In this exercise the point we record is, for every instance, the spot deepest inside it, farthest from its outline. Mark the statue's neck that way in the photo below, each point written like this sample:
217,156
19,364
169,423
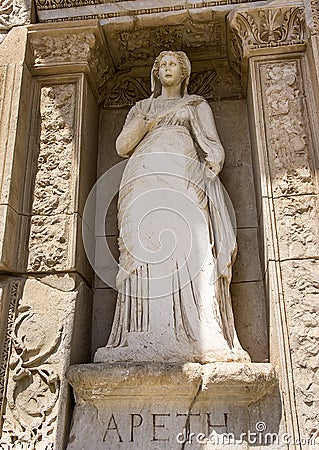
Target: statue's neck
171,92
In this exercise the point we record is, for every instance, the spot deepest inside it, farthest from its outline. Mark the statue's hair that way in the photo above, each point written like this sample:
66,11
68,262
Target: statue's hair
185,64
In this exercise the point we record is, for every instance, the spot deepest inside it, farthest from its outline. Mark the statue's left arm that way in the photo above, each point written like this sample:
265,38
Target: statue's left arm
205,133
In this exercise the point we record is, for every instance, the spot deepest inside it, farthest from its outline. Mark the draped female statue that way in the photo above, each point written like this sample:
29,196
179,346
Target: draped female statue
177,242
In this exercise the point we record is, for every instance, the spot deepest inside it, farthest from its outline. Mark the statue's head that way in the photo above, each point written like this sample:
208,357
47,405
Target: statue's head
185,68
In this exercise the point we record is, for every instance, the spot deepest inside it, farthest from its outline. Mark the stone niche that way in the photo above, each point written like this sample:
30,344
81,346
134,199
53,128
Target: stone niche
155,406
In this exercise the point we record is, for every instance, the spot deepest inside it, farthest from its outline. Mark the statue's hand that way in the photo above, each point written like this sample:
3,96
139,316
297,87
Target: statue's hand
149,121
210,170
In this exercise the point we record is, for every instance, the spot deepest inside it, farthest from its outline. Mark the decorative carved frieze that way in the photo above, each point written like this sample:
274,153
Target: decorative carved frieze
144,44
312,13
33,390
179,6
286,128
257,29
55,179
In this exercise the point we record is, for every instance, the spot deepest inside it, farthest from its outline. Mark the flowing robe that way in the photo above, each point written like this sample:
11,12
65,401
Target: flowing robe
177,243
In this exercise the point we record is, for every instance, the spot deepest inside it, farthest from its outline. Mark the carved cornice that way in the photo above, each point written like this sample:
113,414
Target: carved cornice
131,8
256,30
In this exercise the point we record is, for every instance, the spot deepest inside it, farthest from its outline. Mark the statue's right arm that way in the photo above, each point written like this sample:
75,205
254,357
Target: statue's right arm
132,133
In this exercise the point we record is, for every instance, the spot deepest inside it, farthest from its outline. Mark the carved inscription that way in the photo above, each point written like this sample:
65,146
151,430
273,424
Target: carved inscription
55,179
157,427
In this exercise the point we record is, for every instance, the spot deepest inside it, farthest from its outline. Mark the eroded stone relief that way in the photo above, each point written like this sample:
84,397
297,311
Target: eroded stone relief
54,184
302,294
13,13
285,118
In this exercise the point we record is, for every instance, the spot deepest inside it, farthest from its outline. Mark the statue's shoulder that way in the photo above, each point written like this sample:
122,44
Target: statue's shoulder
195,99
143,104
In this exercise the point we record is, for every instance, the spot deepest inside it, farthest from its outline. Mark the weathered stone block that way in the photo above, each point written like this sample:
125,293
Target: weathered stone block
130,406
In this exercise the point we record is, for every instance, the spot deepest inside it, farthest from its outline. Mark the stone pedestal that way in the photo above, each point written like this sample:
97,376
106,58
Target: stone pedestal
169,406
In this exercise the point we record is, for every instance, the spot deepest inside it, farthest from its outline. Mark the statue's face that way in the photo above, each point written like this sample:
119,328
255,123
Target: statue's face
170,71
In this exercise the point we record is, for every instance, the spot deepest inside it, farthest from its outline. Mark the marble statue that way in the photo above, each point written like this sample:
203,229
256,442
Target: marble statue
177,242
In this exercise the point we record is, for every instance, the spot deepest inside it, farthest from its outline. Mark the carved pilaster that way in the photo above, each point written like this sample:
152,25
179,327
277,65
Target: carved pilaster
264,31
280,101
69,67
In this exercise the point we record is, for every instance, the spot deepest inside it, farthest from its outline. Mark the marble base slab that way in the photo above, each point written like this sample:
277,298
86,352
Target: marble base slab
165,406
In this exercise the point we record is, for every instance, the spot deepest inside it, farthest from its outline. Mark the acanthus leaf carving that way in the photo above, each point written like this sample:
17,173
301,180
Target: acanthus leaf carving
268,28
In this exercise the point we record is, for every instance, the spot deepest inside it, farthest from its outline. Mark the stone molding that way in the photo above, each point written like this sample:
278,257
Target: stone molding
220,396
264,31
238,382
